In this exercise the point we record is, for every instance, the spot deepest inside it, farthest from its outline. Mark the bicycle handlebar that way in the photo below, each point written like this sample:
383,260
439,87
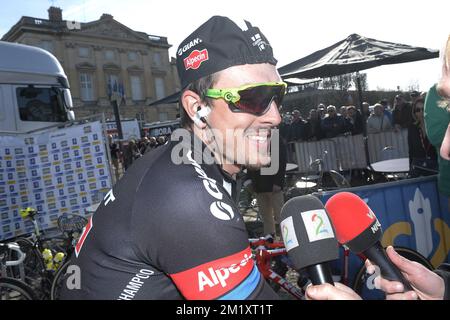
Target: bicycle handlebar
15,247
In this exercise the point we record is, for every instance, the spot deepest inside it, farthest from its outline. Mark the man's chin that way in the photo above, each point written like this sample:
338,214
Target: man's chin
256,165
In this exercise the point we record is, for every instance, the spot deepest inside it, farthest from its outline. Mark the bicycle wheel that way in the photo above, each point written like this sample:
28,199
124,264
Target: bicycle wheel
58,281
359,285
36,275
13,289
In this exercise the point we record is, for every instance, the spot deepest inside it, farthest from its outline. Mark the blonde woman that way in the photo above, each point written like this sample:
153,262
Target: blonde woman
437,119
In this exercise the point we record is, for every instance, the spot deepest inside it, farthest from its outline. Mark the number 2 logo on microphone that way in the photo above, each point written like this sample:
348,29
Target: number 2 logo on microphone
319,222
317,225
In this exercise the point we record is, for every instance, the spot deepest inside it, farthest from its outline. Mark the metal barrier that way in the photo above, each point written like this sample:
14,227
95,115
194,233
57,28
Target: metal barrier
347,152
388,145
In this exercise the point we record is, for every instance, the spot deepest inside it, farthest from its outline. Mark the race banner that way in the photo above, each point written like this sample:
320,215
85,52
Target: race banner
55,172
412,213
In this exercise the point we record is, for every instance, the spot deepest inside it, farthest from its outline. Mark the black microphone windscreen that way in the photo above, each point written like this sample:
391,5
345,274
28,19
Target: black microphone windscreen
308,234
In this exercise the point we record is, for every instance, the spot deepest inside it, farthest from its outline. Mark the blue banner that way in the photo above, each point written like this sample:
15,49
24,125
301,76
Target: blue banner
412,214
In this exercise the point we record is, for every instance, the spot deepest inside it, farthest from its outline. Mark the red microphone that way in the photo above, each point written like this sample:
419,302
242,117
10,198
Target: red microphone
358,228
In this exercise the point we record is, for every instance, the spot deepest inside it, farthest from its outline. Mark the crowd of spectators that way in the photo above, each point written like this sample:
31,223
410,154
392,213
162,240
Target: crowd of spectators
329,122
123,155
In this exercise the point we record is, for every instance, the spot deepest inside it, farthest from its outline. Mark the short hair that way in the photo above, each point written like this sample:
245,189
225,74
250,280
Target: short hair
377,105
199,87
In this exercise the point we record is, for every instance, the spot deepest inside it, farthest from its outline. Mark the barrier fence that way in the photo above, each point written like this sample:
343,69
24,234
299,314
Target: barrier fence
347,152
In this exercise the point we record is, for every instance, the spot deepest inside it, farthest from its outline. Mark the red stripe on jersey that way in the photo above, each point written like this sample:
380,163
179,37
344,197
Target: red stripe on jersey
86,230
214,278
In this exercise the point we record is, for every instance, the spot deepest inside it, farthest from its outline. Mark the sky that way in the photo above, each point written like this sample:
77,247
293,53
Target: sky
295,28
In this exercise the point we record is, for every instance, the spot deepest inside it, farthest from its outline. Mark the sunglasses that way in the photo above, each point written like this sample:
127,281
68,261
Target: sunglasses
255,98
418,110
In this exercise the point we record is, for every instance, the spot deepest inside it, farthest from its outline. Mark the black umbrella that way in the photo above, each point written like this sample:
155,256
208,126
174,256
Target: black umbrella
173,98
355,53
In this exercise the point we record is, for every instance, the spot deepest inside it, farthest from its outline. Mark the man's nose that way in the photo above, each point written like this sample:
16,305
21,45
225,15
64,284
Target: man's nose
272,116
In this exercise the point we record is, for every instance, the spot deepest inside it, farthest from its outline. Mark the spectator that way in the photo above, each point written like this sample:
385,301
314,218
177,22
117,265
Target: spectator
378,122
402,113
343,111
414,96
144,146
321,110
365,109
153,143
387,110
115,156
421,152
333,124
355,119
313,126
437,119
161,140
285,126
269,193
297,127
131,153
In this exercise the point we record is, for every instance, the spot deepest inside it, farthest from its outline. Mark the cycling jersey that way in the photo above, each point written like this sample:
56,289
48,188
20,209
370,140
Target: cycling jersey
168,231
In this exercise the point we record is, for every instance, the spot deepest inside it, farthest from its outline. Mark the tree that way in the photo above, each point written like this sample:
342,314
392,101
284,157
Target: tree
345,81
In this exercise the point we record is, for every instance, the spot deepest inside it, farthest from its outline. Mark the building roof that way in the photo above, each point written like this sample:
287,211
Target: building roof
105,27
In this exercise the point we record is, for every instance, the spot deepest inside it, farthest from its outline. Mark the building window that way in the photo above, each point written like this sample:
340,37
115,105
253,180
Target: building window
46,45
83,52
132,56
109,55
136,88
163,116
114,86
86,87
157,59
159,88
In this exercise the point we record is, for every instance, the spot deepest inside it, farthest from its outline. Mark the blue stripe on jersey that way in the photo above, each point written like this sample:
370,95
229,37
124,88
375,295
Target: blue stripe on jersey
247,286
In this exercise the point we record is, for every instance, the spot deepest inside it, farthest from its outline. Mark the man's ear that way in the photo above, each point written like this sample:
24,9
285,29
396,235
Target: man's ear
192,104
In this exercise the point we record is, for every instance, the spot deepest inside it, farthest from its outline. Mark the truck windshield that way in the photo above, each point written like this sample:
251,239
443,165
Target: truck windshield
40,104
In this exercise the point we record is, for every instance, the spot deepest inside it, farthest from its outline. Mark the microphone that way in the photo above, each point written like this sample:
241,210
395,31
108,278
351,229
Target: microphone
358,229
309,237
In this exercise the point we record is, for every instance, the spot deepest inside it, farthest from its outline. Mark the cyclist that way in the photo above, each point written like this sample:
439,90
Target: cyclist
169,229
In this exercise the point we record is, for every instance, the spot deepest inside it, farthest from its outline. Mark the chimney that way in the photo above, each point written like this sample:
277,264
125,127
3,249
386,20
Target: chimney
106,16
54,14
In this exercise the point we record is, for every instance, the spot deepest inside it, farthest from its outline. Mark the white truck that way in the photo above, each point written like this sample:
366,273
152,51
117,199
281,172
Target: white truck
34,90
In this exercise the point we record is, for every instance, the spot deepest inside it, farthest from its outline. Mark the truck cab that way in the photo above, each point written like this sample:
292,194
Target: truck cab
34,90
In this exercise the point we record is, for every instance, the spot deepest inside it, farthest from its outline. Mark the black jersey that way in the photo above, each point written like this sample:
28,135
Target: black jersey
168,231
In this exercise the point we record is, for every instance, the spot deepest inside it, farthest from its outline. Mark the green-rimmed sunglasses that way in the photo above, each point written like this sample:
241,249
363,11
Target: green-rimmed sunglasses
254,98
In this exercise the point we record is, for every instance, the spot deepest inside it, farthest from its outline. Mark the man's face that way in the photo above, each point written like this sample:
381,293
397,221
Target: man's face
244,138
331,113
399,101
378,111
313,114
351,112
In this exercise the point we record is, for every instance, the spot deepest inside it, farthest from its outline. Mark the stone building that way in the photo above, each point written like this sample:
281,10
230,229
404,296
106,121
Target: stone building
106,60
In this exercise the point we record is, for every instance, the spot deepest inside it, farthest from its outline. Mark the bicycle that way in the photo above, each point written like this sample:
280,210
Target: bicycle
72,226
11,288
45,256
273,263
